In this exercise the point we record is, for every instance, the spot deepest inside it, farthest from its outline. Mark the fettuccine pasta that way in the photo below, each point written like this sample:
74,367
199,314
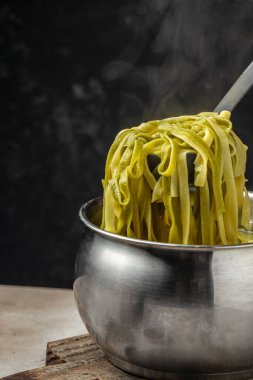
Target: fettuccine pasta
178,180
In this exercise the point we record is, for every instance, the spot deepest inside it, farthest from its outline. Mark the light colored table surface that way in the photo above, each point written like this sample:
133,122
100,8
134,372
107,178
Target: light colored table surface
29,318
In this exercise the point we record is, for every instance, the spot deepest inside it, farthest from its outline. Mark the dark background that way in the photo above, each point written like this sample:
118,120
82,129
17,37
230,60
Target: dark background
72,74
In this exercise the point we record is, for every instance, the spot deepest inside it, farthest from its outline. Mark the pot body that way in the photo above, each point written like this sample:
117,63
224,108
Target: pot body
165,312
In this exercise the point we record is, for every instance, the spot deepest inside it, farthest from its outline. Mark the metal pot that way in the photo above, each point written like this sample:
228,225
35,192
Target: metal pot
166,311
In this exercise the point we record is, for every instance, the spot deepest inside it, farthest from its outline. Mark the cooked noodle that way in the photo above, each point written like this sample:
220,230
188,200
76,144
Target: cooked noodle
177,180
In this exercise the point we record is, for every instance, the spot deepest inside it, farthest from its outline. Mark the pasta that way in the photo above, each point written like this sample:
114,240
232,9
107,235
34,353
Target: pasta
178,180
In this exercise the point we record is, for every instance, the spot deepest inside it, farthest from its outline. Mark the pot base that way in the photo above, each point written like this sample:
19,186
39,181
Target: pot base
160,375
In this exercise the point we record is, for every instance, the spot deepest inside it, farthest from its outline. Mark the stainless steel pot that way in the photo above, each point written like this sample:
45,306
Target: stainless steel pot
166,311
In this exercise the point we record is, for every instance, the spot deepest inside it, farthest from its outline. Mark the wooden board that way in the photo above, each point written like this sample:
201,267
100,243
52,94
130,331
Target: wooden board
77,358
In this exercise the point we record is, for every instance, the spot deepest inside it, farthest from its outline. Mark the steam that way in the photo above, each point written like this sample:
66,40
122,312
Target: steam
181,57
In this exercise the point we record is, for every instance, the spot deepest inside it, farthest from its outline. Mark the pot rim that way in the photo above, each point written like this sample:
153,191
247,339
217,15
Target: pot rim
83,214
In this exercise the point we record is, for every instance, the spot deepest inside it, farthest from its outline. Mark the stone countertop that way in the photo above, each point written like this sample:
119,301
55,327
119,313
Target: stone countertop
29,318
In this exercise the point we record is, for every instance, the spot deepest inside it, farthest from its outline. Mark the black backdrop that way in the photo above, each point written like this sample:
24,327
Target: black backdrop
72,74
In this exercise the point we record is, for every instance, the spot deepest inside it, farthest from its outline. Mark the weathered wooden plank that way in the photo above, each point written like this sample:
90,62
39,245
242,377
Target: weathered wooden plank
102,370
80,348
77,358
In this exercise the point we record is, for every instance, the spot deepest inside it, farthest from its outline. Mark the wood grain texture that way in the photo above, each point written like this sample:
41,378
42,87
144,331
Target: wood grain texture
76,358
